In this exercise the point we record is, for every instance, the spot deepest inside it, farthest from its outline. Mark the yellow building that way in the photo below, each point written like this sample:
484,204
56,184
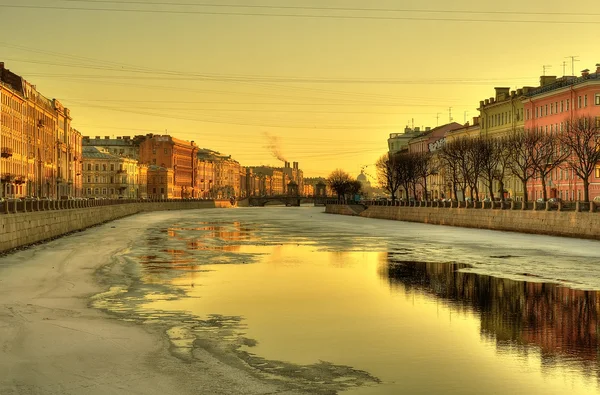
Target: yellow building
109,176
40,151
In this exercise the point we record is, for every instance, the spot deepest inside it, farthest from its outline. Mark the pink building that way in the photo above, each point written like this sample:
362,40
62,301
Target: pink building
548,108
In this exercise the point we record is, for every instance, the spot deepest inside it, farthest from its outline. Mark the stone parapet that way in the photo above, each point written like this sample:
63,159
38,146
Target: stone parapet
582,224
25,228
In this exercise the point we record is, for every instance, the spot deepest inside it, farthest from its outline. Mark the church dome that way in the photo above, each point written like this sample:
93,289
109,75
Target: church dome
362,178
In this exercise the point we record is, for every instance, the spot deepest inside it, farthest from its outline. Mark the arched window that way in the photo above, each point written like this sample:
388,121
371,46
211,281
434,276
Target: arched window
96,191
89,167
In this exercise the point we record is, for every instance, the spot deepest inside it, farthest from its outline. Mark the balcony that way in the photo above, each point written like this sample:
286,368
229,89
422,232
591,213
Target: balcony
6,152
7,177
121,171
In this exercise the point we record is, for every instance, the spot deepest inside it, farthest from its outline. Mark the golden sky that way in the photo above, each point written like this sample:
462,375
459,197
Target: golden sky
329,84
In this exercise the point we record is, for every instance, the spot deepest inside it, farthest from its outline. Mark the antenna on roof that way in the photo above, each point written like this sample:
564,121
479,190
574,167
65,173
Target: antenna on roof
544,68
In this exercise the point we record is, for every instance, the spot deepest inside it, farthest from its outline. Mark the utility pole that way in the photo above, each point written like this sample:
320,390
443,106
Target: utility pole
564,64
437,119
450,114
573,60
544,68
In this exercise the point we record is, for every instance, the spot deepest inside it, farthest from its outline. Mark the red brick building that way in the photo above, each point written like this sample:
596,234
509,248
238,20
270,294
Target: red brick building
177,155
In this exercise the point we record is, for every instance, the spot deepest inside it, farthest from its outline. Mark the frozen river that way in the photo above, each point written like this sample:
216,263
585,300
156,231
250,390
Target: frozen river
328,304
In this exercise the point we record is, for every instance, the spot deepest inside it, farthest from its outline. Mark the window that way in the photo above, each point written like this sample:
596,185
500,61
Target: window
104,191
552,108
154,161
89,167
562,106
165,151
597,175
527,113
567,105
598,122
154,151
578,101
89,179
103,167
585,101
537,113
112,191
112,167
96,191
597,99
97,167
546,113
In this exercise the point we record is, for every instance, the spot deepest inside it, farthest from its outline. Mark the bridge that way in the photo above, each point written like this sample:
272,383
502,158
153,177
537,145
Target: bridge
288,200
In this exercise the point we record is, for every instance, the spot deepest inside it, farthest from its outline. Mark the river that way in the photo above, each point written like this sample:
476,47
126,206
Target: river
333,304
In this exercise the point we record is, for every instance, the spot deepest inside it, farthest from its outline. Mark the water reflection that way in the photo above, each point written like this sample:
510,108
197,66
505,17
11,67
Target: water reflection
561,323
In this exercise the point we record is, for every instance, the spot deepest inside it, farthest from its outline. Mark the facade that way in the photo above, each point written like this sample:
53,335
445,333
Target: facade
120,146
548,109
429,142
398,142
40,153
160,182
499,116
227,180
206,175
108,176
179,155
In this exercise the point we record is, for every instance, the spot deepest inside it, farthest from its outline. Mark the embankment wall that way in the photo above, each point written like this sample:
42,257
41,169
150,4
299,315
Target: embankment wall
571,224
23,229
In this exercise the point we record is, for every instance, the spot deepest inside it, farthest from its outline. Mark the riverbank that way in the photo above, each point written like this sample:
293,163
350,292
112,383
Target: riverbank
585,225
26,228
52,342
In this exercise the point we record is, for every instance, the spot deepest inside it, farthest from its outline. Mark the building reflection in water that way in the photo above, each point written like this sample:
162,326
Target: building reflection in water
561,323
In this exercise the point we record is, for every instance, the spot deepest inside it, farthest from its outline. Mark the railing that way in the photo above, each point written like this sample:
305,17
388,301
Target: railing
6,152
24,206
496,205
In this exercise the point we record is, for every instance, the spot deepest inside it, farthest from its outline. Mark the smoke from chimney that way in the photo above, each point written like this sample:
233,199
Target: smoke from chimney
274,146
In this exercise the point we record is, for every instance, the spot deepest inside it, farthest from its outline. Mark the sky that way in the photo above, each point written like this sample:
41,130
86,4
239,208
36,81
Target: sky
324,81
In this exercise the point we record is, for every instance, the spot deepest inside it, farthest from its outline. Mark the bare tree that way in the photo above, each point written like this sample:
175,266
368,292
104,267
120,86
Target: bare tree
449,156
582,139
547,153
406,168
519,144
490,155
473,164
425,166
339,181
388,175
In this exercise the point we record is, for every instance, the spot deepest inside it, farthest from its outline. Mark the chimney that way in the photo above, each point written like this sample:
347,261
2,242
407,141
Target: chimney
487,101
106,137
547,80
501,93
481,103
118,137
513,93
585,73
97,137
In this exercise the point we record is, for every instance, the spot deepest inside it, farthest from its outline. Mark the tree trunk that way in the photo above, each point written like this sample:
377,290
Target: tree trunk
501,185
425,187
544,193
525,200
586,189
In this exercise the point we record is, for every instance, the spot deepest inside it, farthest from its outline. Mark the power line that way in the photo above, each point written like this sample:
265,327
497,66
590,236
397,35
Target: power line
302,16
287,7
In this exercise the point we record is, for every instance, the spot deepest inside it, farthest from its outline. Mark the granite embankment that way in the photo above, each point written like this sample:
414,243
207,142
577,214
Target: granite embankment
571,224
25,228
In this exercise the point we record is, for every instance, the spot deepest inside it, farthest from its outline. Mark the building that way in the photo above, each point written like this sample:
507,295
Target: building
40,153
119,146
108,176
548,109
178,155
160,182
227,179
293,173
398,142
429,142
